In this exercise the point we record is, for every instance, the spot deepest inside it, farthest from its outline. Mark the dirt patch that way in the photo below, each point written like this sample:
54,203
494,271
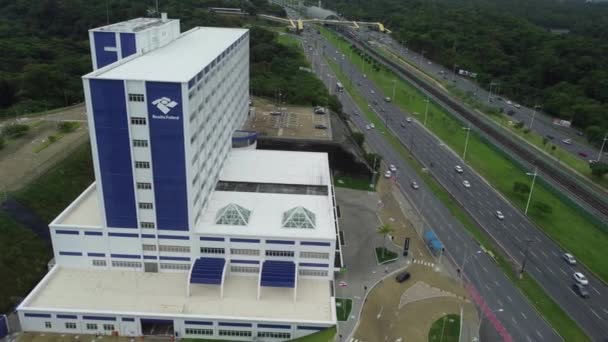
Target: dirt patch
25,158
297,122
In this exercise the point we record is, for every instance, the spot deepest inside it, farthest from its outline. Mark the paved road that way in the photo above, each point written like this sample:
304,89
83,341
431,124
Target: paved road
541,123
503,299
544,263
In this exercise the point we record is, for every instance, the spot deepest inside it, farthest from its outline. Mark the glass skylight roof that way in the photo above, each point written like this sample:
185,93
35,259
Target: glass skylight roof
234,215
299,217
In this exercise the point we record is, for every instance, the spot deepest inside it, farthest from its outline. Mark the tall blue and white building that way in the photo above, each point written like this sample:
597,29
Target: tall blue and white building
182,234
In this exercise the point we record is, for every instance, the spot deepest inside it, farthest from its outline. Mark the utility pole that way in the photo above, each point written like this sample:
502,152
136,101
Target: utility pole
523,263
490,93
371,185
534,114
599,156
394,86
426,111
466,142
531,187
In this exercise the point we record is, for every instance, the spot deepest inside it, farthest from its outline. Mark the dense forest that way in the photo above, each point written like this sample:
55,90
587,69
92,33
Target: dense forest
46,49
509,41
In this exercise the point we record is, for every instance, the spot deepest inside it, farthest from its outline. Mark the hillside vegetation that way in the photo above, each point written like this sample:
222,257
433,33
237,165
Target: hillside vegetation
508,41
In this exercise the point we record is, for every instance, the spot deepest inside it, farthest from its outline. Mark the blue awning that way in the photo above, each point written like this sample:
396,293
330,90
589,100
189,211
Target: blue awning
279,274
207,271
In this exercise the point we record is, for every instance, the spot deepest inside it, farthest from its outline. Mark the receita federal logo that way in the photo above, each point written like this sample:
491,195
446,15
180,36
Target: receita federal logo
165,104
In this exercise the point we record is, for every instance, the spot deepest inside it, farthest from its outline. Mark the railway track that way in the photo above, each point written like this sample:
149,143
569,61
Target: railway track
583,194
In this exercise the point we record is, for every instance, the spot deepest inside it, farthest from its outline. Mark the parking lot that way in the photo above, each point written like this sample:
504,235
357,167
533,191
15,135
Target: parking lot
287,121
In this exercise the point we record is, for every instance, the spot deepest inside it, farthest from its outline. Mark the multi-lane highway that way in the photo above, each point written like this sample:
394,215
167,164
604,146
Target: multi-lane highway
503,299
539,121
514,233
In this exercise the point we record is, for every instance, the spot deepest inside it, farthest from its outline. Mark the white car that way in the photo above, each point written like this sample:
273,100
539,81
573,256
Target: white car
580,278
392,167
415,186
517,105
387,174
458,169
372,125
368,127
372,92
567,141
499,215
509,103
466,184
408,119
569,258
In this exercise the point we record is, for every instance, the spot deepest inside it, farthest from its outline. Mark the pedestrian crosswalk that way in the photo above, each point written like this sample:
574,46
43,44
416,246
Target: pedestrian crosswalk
424,263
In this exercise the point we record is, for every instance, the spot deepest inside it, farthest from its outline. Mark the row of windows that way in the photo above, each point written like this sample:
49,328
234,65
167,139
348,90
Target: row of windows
274,334
101,263
202,332
174,249
314,255
89,326
244,269
140,143
144,186
138,120
145,205
148,248
313,273
130,264
212,250
240,333
240,251
142,165
147,224
167,266
136,97
243,251
280,253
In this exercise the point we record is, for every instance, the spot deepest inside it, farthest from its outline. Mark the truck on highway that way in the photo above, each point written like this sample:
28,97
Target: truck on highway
339,87
432,242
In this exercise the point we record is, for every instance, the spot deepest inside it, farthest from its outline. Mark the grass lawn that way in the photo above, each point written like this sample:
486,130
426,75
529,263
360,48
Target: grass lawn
53,191
343,308
445,329
353,183
288,40
552,312
23,261
565,224
385,255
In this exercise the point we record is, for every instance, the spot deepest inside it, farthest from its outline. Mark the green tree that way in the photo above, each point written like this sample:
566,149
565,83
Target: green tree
359,138
385,230
598,169
16,130
2,142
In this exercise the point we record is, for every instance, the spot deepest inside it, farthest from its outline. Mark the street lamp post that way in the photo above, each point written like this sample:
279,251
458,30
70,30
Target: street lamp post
523,263
466,142
394,87
599,156
466,257
534,114
426,111
490,93
534,174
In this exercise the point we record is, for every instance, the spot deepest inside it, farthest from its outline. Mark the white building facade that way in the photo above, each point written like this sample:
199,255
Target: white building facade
181,234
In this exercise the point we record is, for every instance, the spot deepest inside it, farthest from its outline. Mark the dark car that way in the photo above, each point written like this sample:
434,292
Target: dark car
403,276
320,127
510,112
582,154
580,290
550,137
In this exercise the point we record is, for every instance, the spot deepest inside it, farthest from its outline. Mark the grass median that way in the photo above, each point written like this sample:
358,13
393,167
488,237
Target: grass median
548,308
565,224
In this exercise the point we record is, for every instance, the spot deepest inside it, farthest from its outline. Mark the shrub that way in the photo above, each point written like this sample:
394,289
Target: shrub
16,130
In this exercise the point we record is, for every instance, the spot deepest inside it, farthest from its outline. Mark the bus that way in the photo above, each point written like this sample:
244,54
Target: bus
339,87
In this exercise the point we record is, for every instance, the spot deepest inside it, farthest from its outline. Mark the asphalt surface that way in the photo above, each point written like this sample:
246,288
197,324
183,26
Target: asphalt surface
512,234
503,299
540,122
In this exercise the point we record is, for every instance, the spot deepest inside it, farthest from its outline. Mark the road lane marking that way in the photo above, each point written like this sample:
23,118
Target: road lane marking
564,272
509,298
513,319
484,269
595,313
539,334
524,316
554,253
544,254
596,291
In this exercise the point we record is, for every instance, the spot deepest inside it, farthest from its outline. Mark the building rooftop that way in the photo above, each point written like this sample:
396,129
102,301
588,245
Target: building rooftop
84,212
133,25
177,61
131,293
277,167
270,215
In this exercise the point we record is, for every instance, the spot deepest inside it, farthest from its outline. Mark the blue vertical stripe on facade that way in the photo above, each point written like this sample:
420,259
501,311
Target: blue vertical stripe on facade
103,42
168,154
127,44
113,147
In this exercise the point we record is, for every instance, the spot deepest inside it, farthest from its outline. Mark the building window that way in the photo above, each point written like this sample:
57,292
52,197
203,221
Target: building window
174,249
48,325
149,248
101,263
274,334
279,253
70,325
242,251
136,97
138,121
108,327
191,331
144,186
312,273
146,224
142,165
91,326
212,250
181,267
145,205
314,255
140,143
240,333
244,269
129,264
